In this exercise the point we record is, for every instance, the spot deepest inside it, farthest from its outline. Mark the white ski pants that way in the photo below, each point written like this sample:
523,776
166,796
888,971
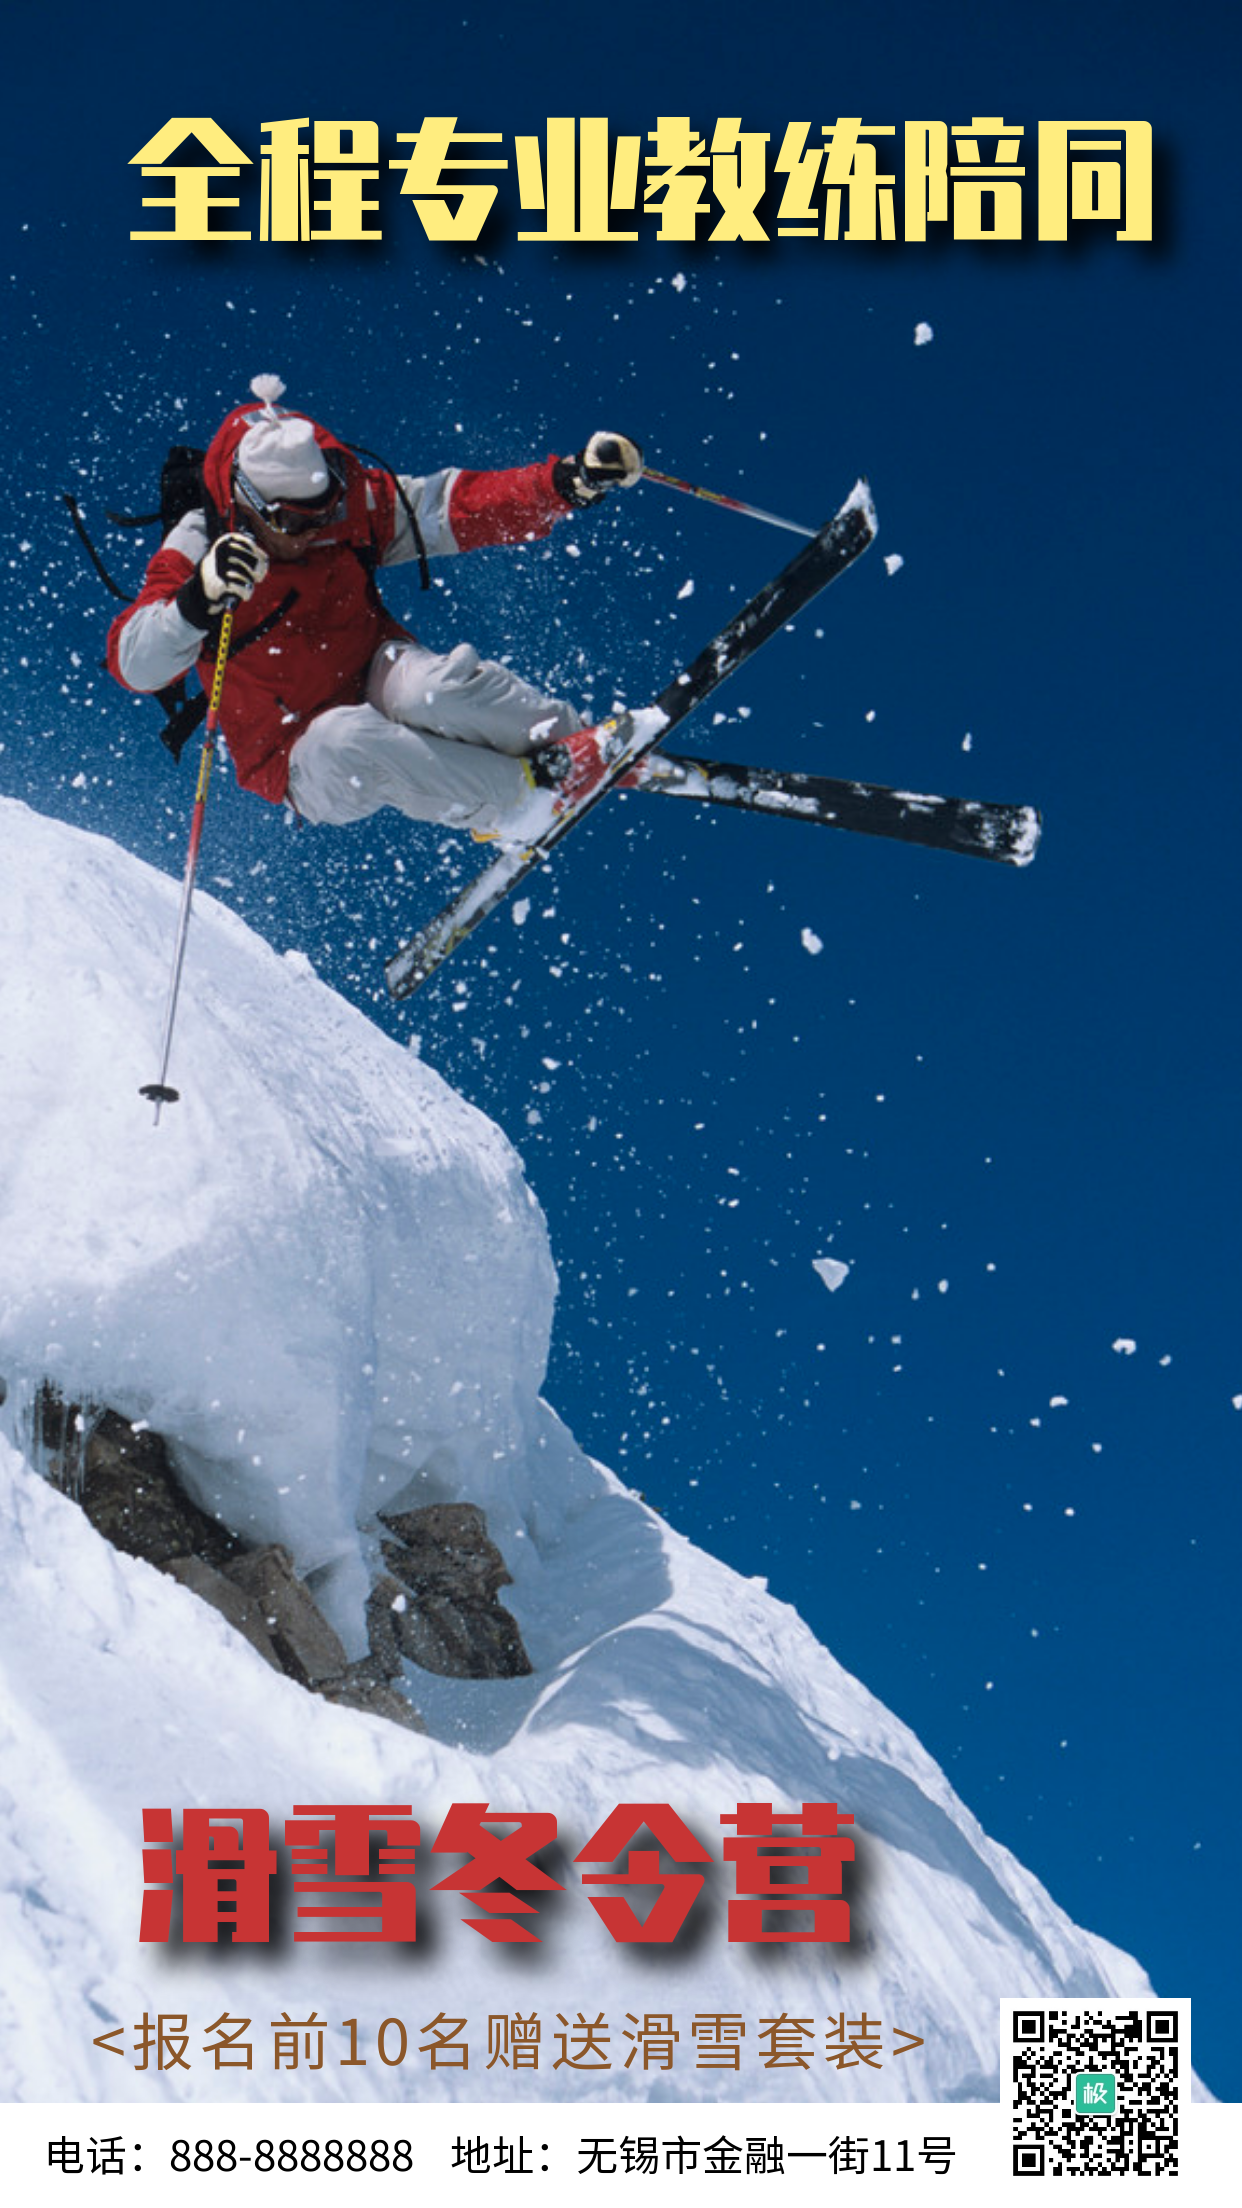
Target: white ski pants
440,738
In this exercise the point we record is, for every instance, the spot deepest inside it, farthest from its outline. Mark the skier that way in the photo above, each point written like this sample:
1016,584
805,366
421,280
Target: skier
329,702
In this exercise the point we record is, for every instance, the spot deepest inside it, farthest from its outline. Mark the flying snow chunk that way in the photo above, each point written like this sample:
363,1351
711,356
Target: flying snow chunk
687,589
521,912
678,281
1123,1347
892,561
811,942
831,1271
923,333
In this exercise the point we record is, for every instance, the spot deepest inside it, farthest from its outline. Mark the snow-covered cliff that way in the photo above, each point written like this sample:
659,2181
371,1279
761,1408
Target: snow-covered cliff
323,1278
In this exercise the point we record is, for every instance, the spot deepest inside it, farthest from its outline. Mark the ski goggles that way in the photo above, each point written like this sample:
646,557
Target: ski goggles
299,517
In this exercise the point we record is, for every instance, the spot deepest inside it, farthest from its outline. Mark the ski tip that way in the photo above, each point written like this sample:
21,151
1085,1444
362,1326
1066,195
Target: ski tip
860,501
1028,827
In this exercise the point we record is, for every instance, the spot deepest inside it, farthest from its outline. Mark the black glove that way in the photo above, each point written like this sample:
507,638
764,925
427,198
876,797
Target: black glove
606,462
233,567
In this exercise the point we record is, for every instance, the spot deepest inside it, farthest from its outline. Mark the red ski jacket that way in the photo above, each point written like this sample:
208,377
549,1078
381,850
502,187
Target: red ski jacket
305,640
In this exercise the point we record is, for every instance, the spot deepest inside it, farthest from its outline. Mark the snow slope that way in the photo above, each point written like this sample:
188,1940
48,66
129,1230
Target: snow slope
321,1270
323,1276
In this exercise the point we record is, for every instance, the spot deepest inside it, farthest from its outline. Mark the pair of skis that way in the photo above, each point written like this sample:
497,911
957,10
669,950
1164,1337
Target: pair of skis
1004,832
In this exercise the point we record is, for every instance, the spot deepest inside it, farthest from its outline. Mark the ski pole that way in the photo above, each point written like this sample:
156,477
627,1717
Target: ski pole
718,498
159,1091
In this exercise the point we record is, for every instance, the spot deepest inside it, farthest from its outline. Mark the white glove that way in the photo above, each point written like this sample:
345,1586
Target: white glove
611,459
233,567
607,461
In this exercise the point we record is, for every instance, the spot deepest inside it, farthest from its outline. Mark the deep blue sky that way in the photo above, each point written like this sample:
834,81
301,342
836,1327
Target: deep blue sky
1023,1086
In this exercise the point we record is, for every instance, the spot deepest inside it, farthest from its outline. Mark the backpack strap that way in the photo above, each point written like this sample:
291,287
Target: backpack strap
424,568
183,715
75,515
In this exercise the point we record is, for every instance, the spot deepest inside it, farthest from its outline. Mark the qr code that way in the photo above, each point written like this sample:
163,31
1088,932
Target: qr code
1095,2085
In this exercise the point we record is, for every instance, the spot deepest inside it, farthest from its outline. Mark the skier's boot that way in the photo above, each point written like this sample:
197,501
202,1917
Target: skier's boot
572,765
559,774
